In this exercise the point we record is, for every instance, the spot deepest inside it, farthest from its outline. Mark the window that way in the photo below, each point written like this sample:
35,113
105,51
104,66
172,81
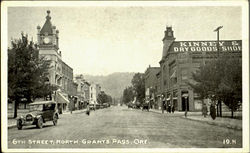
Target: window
173,75
184,74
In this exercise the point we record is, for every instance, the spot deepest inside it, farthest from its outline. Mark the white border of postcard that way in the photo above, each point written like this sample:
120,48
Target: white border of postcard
245,59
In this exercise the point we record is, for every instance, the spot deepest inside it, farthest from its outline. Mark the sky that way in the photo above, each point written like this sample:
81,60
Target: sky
106,39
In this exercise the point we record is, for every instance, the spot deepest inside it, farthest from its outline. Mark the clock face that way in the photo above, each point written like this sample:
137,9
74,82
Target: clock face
46,40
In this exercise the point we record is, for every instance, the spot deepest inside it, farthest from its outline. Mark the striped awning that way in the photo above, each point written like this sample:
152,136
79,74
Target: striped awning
173,75
61,99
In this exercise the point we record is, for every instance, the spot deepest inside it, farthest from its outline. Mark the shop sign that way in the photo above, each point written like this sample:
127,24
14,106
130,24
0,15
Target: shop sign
207,46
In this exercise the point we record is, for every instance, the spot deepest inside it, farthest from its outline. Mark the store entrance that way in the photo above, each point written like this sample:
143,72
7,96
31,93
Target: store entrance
184,98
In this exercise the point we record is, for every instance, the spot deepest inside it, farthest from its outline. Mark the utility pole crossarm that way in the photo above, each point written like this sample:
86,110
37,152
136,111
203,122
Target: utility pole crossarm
218,35
218,28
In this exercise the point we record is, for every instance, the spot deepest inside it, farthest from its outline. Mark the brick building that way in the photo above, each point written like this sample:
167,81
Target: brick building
60,74
180,59
151,83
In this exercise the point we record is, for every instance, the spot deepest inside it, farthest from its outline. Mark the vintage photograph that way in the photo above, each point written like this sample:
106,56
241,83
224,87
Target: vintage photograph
124,75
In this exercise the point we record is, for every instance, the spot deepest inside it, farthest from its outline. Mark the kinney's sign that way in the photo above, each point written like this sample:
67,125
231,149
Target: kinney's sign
207,46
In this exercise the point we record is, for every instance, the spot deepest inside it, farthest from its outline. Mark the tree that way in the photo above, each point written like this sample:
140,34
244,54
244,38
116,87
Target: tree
230,88
103,98
128,95
138,83
27,72
220,79
110,99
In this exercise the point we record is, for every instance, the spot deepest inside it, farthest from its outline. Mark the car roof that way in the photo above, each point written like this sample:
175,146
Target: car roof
42,102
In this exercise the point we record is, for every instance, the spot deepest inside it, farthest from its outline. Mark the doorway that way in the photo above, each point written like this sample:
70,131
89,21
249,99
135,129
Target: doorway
183,106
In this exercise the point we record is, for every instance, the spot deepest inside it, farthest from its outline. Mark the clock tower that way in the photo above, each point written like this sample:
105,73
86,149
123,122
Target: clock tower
48,44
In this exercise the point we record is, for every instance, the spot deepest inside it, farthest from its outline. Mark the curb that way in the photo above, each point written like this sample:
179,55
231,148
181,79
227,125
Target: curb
215,124
73,112
11,126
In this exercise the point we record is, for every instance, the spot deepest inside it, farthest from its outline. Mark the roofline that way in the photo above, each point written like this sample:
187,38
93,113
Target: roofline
67,65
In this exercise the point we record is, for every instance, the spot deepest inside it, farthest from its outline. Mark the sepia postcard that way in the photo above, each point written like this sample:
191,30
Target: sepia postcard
125,76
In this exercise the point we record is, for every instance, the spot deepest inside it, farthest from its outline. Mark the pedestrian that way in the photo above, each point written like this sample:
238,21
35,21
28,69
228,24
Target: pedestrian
88,110
204,110
163,103
173,109
169,108
213,111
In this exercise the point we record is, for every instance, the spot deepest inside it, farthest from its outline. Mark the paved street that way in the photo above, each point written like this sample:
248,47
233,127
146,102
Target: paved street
120,127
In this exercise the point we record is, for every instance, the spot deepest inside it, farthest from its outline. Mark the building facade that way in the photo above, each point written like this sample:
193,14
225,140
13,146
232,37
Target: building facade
95,89
60,74
86,88
151,84
182,58
83,90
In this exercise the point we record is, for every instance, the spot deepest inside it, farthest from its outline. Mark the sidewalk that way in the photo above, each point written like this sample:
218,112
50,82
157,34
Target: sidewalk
75,111
219,121
197,116
12,121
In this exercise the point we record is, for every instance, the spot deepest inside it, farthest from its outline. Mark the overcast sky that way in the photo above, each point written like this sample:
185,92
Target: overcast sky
103,40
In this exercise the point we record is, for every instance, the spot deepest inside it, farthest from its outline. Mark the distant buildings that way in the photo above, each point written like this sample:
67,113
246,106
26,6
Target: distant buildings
151,83
179,60
83,90
95,89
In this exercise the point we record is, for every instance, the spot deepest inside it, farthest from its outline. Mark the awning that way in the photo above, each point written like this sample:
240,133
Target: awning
61,99
173,74
185,95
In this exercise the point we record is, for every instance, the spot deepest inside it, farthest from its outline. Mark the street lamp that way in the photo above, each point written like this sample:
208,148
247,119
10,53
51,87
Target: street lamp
218,35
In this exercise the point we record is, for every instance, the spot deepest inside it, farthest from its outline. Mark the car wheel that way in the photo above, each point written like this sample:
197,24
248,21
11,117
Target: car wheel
55,118
40,123
19,125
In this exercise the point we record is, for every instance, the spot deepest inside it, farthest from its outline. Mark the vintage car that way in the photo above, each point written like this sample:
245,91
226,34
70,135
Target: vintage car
130,105
92,107
97,106
106,105
145,106
39,113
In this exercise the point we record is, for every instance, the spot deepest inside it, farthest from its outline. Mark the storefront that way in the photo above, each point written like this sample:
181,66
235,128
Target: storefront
182,58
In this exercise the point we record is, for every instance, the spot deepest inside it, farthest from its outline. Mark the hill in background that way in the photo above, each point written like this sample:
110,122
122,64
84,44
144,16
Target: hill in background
113,84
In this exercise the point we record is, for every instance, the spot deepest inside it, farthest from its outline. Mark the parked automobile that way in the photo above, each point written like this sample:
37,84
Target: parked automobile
101,106
92,107
97,106
145,106
39,113
130,105
106,105
137,105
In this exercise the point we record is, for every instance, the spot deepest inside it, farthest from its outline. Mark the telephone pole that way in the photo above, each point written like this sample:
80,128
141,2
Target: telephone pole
218,39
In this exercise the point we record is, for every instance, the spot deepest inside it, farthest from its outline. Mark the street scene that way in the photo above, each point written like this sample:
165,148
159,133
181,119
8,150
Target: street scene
120,127
134,76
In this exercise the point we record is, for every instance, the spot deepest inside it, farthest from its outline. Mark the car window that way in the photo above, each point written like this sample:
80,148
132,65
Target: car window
49,107
36,108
